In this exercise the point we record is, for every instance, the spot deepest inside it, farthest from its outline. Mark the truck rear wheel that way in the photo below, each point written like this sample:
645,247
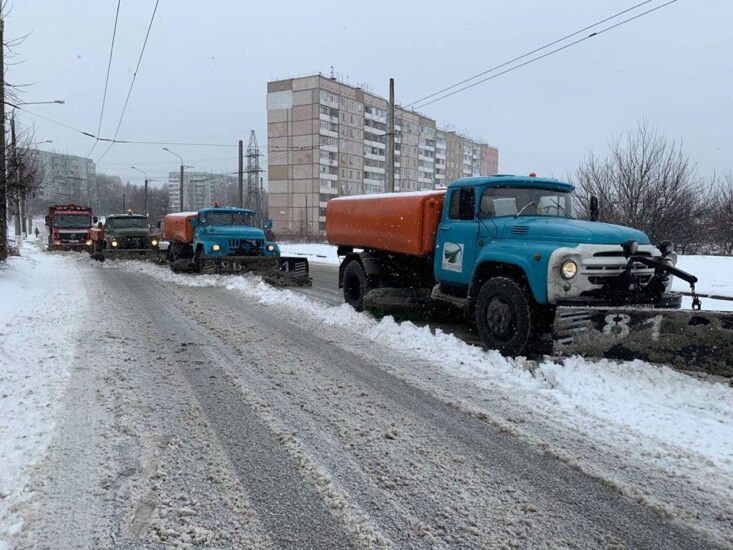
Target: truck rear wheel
504,316
355,285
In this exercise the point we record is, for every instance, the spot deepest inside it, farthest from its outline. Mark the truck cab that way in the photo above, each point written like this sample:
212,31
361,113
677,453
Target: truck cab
528,225
220,231
123,236
69,227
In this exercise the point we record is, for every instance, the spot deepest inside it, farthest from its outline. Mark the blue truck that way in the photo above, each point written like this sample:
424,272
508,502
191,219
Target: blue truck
510,254
225,240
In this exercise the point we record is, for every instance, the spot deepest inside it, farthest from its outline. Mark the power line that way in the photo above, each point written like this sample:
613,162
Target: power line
492,69
106,80
132,83
122,141
551,52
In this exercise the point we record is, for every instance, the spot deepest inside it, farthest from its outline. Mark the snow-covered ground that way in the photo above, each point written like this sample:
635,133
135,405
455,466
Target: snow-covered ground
650,414
42,303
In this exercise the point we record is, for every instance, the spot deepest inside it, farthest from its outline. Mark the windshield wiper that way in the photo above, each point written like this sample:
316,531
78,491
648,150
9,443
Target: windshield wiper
524,208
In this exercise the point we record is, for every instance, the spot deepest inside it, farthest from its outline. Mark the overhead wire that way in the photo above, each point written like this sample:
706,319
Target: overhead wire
106,80
132,83
496,67
551,52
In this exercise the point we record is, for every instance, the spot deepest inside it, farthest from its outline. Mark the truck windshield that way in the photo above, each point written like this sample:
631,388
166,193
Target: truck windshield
127,223
62,221
525,201
228,218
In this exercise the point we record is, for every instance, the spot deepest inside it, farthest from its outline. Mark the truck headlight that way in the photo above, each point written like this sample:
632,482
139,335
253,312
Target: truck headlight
271,247
216,248
89,242
569,269
114,244
154,242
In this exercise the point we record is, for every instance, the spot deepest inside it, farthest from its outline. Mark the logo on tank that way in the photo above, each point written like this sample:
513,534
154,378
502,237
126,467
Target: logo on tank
452,257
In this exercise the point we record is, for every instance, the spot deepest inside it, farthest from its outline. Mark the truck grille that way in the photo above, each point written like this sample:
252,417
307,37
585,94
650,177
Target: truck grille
246,244
132,242
81,236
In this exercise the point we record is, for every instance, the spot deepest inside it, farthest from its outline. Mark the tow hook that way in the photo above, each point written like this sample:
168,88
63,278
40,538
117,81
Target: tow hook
696,303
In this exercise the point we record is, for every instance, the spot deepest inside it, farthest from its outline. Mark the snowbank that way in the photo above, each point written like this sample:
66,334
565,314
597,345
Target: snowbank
316,253
38,319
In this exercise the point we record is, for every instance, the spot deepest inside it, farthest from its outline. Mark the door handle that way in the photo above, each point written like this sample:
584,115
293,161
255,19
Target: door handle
443,229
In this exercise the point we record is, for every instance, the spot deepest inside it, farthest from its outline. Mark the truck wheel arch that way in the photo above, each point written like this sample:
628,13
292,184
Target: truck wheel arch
370,264
488,270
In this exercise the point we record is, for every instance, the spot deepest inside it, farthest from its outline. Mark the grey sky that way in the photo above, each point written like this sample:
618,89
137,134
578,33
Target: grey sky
204,73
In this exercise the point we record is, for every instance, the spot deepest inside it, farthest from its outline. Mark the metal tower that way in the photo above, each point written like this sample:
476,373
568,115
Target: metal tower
255,192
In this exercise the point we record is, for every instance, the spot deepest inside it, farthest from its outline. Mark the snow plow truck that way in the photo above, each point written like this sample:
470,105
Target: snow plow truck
224,240
69,227
508,253
124,236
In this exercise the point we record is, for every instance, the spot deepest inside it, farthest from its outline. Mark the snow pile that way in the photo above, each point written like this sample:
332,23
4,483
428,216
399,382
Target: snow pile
39,313
316,253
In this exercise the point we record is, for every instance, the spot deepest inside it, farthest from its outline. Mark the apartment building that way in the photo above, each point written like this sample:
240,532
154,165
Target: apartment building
65,179
326,138
200,190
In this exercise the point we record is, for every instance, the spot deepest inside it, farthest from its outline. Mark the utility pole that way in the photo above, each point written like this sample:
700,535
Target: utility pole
390,139
241,174
180,181
180,188
146,189
16,177
124,203
3,180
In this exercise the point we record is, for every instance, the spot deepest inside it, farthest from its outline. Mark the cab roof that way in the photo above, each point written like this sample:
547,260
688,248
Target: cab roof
126,216
508,180
225,209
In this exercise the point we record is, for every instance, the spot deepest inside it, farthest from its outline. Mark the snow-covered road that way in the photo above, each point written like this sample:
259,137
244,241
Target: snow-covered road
219,411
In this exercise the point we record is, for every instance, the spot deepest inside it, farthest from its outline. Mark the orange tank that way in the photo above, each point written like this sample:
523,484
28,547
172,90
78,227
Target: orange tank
177,227
404,223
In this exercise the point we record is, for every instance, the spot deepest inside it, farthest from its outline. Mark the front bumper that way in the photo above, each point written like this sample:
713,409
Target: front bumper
670,300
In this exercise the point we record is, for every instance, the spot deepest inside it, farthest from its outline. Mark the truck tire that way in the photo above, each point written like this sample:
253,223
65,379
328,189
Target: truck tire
355,285
504,316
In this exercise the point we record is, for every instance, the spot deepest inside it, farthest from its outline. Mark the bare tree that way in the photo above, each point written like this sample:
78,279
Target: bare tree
721,214
646,182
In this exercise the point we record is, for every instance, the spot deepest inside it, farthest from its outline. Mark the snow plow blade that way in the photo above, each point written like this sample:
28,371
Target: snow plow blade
276,271
691,340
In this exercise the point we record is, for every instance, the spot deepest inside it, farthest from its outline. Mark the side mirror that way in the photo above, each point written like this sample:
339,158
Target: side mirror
194,222
158,224
95,219
99,225
267,224
665,247
594,210
46,220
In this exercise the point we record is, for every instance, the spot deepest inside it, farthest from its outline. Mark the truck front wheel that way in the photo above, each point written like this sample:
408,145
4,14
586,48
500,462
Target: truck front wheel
355,285
504,316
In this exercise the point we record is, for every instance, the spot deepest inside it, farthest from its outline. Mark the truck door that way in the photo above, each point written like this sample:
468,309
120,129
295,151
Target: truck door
455,244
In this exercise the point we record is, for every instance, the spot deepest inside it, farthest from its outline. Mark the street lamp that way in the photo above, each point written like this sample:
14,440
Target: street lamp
56,101
180,183
146,189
